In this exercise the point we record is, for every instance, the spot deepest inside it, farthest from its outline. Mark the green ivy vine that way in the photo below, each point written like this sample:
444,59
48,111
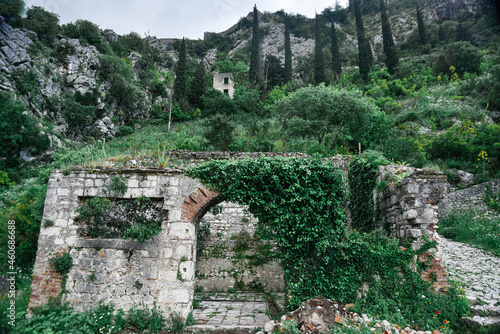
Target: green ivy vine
299,203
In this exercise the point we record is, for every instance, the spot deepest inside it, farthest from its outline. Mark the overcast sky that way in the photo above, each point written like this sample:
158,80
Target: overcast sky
169,18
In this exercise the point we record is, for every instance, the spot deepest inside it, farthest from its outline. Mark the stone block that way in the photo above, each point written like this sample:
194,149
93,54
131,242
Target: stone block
187,270
135,193
133,183
410,214
413,233
174,295
91,192
167,253
167,275
99,183
88,183
182,231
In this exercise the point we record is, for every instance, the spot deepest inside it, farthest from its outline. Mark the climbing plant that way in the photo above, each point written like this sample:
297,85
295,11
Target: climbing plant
111,217
362,181
300,204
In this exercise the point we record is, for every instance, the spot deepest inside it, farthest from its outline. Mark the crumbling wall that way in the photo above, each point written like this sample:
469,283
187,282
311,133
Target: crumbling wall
231,257
120,271
409,211
469,199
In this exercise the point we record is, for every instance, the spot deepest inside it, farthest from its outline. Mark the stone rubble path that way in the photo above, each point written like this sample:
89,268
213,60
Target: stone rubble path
230,311
479,270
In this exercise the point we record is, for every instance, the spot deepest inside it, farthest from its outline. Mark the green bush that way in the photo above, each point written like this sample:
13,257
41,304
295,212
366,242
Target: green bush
136,219
464,56
44,23
89,33
17,131
77,116
11,11
215,102
144,318
362,180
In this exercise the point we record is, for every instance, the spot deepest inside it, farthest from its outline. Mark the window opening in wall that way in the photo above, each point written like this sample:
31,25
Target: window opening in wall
112,218
226,81
226,91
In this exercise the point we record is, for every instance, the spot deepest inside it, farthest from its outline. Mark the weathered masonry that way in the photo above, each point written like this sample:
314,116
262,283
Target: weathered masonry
162,270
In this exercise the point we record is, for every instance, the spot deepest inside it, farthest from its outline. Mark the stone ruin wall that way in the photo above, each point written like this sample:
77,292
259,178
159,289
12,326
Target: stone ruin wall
409,210
126,272
123,272
469,199
220,267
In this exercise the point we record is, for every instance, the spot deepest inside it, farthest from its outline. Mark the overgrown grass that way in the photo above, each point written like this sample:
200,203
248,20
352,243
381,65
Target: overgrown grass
57,317
471,228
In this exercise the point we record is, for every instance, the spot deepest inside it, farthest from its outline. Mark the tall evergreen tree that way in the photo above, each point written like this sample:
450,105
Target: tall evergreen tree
181,74
365,55
199,85
336,61
391,55
253,71
288,52
421,27
319,64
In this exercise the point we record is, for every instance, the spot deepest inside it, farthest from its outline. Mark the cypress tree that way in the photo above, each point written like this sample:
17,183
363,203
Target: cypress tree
421,27
319,64
199,85
181,74
288,52
364,50
253,71
391,56
336,61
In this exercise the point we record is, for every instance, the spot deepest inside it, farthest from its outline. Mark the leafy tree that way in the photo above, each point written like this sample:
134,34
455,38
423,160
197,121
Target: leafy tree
275,73
44,23
247,100
219,132
318,111
134,42
364,49
214,102
253,72
181,74
288,52
198,86
319,64
463,33
123,90
391,56
421,26
464,56
11,11
88,32
17,130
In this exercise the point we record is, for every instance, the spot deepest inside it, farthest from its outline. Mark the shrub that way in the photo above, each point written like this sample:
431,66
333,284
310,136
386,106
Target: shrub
44,23
215,102
464,56
11,11
77,116
144,318
136,219
17,131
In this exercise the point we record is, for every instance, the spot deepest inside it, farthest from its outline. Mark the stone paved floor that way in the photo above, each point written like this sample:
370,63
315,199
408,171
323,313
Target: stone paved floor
235,310
479,271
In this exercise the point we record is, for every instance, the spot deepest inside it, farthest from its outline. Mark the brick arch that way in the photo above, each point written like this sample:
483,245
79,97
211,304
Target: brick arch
198,203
